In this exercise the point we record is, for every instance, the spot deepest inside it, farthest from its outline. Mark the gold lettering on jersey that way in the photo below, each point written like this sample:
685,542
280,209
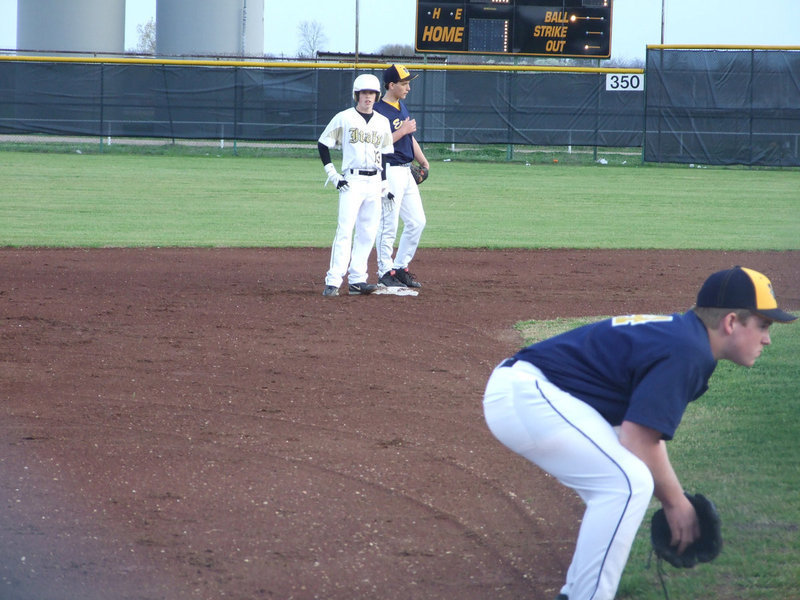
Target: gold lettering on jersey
365,137
639,319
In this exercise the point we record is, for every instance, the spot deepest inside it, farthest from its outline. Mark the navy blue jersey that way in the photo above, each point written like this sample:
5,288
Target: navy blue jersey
403,148
639,368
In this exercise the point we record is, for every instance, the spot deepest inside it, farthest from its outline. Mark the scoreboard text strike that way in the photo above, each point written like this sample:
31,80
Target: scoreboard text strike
570,28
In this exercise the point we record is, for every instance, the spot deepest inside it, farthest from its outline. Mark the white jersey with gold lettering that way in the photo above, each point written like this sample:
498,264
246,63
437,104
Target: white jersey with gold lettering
362,142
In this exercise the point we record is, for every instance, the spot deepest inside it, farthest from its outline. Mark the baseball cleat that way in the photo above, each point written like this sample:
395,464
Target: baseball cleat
407,278
363,288
389,279
330,290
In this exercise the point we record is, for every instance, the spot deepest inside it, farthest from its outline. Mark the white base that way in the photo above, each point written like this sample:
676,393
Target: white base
396,291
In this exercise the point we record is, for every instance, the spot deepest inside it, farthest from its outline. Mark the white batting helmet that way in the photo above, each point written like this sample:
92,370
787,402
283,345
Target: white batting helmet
366,83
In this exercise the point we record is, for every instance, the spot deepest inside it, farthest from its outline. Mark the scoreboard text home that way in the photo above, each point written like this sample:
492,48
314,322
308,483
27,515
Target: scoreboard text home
570,28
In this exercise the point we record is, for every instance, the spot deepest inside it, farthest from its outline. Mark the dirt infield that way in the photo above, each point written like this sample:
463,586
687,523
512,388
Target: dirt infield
182,423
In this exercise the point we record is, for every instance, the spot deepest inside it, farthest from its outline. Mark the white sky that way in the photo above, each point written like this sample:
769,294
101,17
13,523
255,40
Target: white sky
635,23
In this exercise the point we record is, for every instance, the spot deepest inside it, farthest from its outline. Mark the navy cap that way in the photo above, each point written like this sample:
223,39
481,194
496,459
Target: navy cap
741,288
396,74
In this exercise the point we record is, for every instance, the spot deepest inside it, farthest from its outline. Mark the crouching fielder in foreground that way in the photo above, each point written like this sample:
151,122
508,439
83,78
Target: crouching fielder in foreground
594,406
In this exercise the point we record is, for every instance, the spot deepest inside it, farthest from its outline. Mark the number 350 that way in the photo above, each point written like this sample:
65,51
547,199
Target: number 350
624,82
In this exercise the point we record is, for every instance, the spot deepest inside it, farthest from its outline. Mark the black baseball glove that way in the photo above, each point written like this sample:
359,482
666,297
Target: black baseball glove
419,174
704,549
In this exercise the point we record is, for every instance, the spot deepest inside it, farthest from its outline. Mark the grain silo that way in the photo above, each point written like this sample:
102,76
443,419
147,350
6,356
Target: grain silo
210,28
83,26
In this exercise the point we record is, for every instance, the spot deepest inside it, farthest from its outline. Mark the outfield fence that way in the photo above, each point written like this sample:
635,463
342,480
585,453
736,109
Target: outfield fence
723,105
710,106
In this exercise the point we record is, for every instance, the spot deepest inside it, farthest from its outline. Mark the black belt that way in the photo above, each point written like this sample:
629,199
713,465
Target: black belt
509,362
400,164
367,173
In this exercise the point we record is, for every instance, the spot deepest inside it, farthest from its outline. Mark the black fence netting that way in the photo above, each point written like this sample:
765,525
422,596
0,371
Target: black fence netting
546,108
723,106
700,106
277,104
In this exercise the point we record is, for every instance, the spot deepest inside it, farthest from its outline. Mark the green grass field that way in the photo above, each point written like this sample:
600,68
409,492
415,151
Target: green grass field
738,444
141,200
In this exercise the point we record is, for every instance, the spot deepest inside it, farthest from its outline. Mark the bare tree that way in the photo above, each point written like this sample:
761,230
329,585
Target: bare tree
312,38
147,37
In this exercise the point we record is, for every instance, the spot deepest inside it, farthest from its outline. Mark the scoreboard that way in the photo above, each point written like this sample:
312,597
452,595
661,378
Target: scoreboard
557,28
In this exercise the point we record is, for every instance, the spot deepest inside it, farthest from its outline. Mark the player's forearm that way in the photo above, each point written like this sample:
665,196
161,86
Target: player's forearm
324,153
667,487
646,444
419,156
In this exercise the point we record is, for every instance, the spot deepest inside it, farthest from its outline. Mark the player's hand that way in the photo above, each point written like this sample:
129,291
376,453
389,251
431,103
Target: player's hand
683,524
387,197
388,202
335,177
409,126
339,181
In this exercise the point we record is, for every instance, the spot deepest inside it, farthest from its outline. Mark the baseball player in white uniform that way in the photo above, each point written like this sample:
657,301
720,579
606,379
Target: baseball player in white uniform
364,136
407,205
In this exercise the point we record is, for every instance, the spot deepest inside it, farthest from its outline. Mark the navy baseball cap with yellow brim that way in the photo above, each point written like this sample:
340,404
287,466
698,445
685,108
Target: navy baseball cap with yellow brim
397,74
741,288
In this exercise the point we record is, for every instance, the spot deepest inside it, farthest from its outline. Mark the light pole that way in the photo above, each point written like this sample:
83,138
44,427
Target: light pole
356,53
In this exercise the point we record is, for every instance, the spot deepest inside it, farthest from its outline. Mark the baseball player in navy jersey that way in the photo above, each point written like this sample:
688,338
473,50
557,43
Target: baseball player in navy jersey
365,137
407,203
594,406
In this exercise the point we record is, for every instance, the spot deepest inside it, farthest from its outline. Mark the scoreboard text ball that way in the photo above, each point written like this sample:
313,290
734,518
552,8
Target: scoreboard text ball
569,28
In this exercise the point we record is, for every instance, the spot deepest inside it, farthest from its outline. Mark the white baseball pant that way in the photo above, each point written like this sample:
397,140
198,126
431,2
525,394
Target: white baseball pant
570,440
359,208
407,206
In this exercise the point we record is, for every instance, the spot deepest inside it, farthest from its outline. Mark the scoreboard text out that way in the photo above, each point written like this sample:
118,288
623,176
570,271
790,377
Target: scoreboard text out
570,28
